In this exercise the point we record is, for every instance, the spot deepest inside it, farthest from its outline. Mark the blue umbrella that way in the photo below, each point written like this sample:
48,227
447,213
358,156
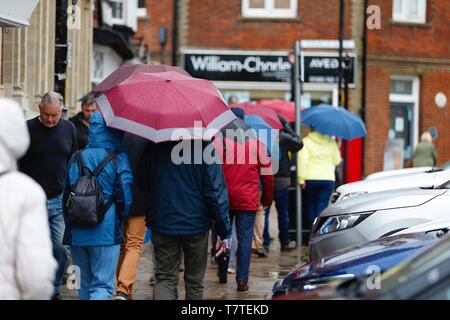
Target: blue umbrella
334,121
264,132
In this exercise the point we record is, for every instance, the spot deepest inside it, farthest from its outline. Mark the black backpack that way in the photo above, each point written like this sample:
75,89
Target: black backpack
85,205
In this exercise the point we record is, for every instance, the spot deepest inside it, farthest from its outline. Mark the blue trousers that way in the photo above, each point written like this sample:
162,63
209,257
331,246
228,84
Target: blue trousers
57,227
317,196
245,221
98,266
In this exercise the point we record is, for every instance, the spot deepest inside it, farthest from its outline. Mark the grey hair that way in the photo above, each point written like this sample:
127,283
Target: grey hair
52,97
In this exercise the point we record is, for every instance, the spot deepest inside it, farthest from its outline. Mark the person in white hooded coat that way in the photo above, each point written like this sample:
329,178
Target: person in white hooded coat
27,266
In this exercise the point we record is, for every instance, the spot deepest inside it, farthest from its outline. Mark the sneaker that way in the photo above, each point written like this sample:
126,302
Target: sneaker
231,270
242,286
121,296
152,279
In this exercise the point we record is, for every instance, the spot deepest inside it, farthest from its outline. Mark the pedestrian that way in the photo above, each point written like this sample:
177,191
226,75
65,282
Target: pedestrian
185,198
425,153
245,162
289,143
316,162
53,141
27,266
134,227
95,247
81,119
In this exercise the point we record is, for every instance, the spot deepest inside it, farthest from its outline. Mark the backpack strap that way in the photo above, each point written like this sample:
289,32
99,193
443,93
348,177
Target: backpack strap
104,162
79,160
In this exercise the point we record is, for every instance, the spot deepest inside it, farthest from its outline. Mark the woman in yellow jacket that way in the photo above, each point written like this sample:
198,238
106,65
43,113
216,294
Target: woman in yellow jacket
316,163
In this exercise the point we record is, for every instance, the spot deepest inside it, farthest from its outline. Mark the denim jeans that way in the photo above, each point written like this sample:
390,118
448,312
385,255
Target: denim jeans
98,266
282,205
245,221
317,196
57,227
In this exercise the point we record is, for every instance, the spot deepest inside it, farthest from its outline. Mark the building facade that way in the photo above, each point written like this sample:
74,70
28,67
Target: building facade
27,58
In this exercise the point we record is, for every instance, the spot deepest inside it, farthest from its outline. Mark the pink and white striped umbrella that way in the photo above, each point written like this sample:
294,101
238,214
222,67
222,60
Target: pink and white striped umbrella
165,106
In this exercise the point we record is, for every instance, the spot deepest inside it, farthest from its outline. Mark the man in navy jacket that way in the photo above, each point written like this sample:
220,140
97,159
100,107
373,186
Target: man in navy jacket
185,200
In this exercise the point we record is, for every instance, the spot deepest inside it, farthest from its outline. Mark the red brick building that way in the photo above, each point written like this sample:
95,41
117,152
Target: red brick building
242,46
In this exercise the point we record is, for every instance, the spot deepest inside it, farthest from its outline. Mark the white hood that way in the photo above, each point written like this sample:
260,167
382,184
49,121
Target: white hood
14,136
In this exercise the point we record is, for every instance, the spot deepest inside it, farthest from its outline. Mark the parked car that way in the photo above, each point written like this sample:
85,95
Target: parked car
374,256
374,215
424,277
428,178
403,172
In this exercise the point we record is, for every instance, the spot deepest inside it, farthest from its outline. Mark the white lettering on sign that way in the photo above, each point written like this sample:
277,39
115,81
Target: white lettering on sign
324,63
251,64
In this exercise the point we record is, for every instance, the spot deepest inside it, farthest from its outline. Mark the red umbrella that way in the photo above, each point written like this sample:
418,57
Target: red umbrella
264,112
285,108
157,105
126,70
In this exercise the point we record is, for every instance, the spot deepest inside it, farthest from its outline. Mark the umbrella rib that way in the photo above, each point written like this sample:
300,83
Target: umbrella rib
187,100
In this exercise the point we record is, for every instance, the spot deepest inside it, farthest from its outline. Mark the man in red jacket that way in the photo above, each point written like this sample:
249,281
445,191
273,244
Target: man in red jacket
246,167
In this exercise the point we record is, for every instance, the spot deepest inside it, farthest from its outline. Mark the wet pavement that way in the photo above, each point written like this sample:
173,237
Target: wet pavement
263,274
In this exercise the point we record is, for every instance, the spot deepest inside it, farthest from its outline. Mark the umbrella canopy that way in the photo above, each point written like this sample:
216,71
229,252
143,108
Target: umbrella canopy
125,71
157,105
267,114
282,107
334,121
263,132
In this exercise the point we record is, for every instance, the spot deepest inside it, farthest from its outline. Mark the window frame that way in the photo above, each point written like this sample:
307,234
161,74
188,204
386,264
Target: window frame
404,16
269,10
141,11
119,21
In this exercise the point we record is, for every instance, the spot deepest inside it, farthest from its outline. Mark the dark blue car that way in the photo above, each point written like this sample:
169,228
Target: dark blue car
374,256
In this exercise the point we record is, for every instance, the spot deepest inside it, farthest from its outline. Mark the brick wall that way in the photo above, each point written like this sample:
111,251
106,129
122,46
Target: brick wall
219,24
431,115
427,41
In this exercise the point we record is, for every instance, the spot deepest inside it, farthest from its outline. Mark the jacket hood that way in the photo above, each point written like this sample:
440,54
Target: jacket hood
100,136
14,136
319,138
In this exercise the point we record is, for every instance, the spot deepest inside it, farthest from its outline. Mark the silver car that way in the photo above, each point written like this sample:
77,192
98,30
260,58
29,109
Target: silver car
374,215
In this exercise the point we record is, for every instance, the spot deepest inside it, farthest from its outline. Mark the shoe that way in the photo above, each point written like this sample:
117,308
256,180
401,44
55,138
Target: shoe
222,278
262,253
242,286
152,279
231,270
267,248
121,296
56,296
288,248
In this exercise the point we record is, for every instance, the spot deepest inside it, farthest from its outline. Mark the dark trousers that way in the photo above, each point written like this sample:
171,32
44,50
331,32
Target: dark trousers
317,195
282,205
168,256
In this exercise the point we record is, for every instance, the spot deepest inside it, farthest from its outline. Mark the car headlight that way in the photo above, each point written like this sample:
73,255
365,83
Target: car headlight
353,194
337,223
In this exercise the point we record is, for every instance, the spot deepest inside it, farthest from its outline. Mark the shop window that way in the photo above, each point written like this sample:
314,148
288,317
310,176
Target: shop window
413,11
269,8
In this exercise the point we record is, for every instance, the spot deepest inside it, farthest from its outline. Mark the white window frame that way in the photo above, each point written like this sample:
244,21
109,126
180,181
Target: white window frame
409,98
141,11
269,11
120,21
405,16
